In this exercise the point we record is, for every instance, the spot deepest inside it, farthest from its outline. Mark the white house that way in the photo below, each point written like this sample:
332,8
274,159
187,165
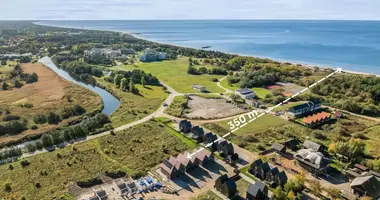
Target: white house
201,88
151,55
245,93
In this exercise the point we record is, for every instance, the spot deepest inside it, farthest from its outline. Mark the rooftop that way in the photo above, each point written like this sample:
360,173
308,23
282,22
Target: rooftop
244,91
311,157
316,117
370,184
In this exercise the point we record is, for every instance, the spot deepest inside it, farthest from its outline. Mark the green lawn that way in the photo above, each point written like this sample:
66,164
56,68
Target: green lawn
242,186
134,107
209,195
174,73
135,151
177,106
260,92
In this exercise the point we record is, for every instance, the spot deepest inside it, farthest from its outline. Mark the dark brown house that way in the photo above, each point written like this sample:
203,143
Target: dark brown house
209,138
226,186
262,170
227,150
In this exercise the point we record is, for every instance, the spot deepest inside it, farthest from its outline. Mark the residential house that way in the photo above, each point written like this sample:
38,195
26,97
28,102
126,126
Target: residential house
312,161
151,55
198,133
121,186
98,194
270,176
221,143
312,145
254,168
291,144
209,138
366,186
132,187
257,191
317,119
232,159
128,51
102,53
245,93
227,150
204,157
200,88
263,170
281,179
304,108
278,148
185,126
172,168
226,186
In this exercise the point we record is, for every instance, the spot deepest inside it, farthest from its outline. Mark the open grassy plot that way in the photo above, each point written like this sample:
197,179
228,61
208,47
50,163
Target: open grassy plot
372,141
260,92
242,186
209,195
134,106
177,106
135,151
49,93
174,73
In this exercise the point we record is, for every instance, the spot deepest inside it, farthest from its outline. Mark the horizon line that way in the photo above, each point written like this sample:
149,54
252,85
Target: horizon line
247,19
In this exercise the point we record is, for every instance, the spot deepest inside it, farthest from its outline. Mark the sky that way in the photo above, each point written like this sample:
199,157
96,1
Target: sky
189,9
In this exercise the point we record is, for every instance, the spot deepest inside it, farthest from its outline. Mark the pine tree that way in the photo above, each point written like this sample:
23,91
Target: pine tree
123,84
143,82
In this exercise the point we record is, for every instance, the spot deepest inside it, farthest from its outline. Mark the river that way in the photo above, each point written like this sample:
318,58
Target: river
111,103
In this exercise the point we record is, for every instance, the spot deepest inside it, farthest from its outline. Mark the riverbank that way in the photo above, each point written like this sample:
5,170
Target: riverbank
167,32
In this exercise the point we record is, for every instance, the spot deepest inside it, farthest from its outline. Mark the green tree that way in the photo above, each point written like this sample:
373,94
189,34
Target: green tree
191,70
143,82
132,87
17,84
47,140
57,138
123,84
117,79
53,118
5,86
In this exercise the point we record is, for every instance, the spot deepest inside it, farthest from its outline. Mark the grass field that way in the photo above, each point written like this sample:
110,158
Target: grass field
135,150
50,93
209,195
287,106
260,92
177,106
174,73
134,107
242,186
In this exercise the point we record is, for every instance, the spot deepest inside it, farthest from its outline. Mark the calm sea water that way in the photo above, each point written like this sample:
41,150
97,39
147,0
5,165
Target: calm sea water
353,45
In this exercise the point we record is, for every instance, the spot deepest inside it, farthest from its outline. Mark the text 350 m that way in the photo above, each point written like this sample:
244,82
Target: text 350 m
242,120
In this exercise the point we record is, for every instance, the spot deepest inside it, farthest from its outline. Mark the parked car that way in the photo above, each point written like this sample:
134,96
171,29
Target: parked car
165,104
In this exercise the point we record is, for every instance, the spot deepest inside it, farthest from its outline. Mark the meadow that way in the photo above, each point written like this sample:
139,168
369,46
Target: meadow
177,106
260,92
174,73
134,151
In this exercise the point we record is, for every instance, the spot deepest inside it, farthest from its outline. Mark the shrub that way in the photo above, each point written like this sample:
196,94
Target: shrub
24,163
31,147
90,182
7,118
8,187
53,118
39,119
116,174
39,145
47,140
34,127
38,185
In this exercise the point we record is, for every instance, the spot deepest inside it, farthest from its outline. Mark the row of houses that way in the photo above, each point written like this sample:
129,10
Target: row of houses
317,119
272,175
175,167
124,187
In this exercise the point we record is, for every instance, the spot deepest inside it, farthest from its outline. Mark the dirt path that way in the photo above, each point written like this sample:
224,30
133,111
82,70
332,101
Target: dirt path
218,84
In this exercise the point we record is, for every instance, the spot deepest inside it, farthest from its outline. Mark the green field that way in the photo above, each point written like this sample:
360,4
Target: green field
174,73
134,107
260,92
177,106
135,151
209,195
288,105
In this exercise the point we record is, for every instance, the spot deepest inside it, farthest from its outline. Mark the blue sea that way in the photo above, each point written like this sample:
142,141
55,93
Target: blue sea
352,45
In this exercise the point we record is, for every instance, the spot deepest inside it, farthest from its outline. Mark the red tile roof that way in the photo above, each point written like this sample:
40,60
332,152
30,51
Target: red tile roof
316,117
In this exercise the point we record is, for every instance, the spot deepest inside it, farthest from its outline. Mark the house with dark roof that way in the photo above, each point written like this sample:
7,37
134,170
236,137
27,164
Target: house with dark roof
221,143
226,186
172,168
185,126
366,186
254,168
291,144
98,193
278,148
257,191
262,170
271,174
198,133
209,138
245,93
226,150
281,179
204,157
304,108
312,145
232,159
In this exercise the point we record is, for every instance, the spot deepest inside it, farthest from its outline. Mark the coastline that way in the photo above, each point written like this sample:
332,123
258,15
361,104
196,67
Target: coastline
139,36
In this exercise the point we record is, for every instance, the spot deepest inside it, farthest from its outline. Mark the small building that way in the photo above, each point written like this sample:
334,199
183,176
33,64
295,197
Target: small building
121,186
185,126
312,145
278,148
198,133
366,186
226,186
151,55
232,159
132,187
254,168
361,167
200,88
338,114
305,108
317,119
227,150
263,170
221,143
257,191
209,138
312,161
291,144
245,93
204,157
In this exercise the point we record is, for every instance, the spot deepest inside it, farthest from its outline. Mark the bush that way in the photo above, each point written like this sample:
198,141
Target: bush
116,174
90,182
31,147
53,118
47,140
8,187
34,127
39,119
7,118
24,163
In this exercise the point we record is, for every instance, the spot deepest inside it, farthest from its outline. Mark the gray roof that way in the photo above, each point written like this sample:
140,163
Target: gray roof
244,91
265,167
278,146
311,158
311,145
370,184
253,189
257,162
